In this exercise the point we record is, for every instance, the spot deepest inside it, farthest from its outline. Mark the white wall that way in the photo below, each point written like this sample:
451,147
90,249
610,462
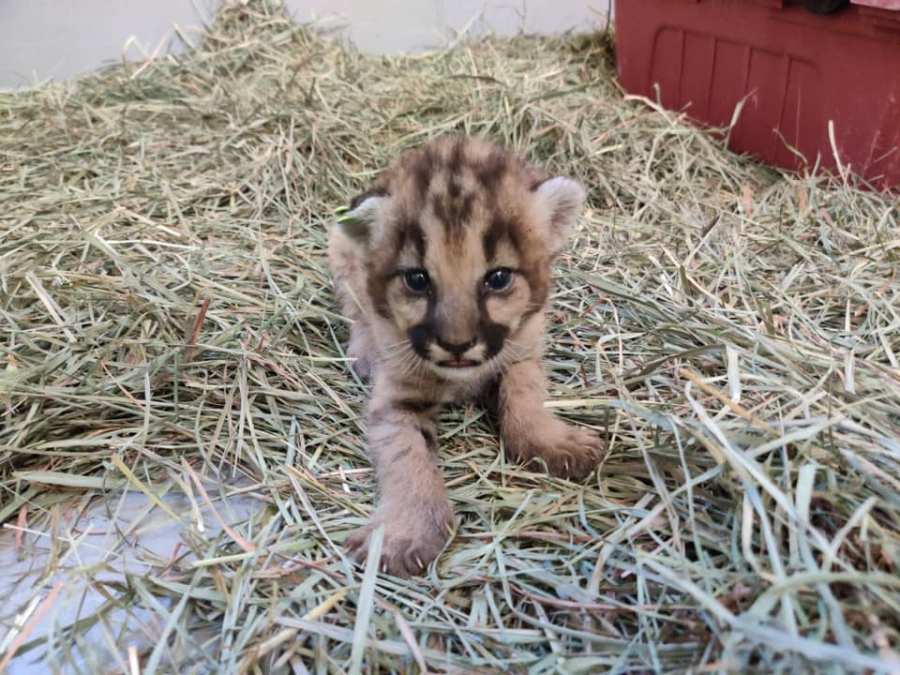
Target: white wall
56,39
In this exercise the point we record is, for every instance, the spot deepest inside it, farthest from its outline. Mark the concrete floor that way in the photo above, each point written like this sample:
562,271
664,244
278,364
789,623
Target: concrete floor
56,39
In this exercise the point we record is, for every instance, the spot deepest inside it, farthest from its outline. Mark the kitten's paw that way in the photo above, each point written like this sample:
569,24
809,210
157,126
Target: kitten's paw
577,454
412,539
568,451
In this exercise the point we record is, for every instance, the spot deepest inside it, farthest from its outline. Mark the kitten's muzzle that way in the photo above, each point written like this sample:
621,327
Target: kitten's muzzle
456,349
457,354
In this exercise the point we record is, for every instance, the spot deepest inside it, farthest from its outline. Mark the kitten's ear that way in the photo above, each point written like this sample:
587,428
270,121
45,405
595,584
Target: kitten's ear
360,222
563,200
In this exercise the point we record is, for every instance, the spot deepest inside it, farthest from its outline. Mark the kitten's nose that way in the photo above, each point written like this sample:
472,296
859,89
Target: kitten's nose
457,349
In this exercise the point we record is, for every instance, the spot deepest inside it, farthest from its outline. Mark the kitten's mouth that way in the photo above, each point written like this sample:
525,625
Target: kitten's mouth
457,363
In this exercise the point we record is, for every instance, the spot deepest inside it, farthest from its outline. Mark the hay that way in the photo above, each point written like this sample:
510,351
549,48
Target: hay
169,335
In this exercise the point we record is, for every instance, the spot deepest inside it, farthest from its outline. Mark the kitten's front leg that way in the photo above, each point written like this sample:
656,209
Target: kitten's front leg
531,432
413,504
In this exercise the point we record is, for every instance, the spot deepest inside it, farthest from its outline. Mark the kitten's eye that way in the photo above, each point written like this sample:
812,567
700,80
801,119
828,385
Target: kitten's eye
417,281
498,279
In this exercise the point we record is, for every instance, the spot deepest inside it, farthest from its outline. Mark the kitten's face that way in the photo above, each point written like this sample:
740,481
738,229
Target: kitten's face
458,245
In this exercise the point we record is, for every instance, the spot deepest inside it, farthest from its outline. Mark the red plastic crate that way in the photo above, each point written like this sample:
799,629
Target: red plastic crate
795,71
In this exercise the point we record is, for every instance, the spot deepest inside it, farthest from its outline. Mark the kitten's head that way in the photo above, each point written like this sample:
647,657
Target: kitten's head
458,238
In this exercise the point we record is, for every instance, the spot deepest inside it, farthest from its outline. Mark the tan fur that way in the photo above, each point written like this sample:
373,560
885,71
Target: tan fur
458,209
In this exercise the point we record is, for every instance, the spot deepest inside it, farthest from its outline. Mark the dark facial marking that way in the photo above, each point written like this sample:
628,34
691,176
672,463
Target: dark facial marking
410,232
423,172
421,335
407,232
465,206
500,229
491,170
536,271
458,207
453,213
376,285
454,165
360,198
538,287
442,212
454,208
493,334
454,188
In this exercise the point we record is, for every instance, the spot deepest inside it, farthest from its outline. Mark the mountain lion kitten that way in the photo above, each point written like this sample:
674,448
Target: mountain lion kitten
443,266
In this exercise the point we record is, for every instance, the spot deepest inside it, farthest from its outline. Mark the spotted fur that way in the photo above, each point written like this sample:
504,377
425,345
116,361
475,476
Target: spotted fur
469,216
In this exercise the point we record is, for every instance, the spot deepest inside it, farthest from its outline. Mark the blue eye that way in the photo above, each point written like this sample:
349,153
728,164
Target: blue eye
498,279
417,281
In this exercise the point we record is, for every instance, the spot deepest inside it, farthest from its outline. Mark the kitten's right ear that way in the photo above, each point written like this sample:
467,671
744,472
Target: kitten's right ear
360,221
563,198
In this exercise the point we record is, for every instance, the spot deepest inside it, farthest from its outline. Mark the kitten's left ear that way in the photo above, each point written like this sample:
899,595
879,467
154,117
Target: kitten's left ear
360,220
563,200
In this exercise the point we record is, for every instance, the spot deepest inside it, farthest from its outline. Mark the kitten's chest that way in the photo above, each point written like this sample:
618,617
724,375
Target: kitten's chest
463,392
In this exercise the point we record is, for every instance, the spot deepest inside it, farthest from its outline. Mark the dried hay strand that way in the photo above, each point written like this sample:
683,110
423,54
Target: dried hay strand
169,334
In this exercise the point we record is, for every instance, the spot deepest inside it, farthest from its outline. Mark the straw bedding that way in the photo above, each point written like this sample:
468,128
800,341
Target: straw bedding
168,327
